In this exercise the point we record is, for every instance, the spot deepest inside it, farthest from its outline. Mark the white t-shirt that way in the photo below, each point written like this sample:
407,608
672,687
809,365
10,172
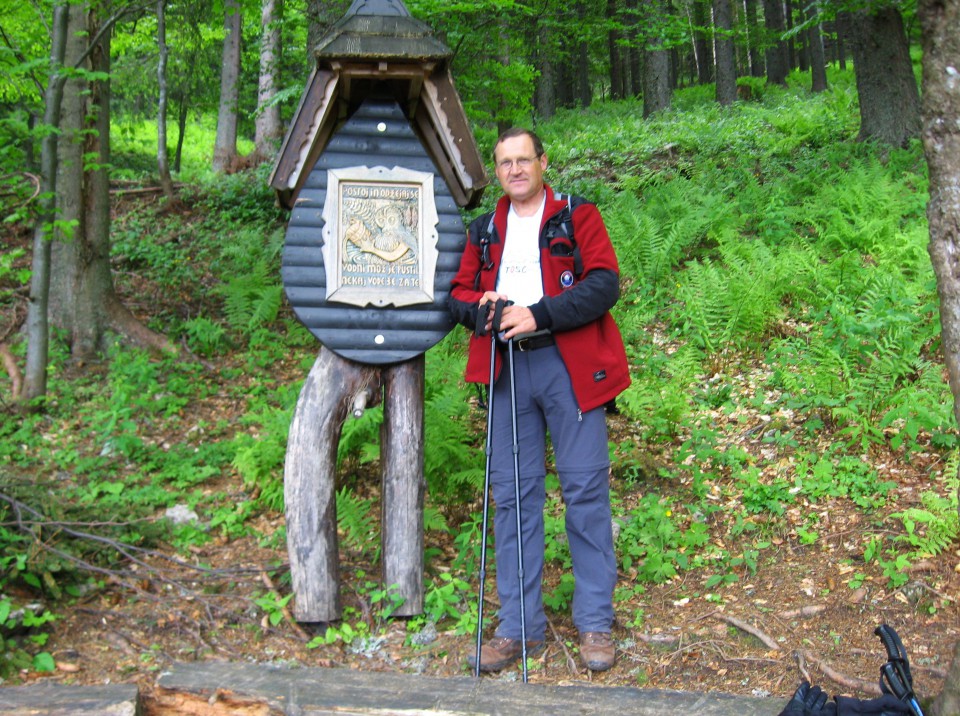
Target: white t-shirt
519,278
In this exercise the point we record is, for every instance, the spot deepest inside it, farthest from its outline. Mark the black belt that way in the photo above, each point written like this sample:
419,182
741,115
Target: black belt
532,343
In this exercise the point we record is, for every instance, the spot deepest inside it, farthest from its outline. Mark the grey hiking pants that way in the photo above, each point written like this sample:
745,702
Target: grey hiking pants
545,401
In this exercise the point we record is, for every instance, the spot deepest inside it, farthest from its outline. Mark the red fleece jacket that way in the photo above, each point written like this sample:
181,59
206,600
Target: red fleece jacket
578,314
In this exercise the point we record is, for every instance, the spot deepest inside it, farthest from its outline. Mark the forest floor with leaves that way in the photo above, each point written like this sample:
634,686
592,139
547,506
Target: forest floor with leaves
797,617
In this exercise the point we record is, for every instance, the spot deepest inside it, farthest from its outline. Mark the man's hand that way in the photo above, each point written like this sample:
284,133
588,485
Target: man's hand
516,320
513,321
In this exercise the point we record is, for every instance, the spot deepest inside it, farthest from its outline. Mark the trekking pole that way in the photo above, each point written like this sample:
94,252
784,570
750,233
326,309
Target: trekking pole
481,327
516,493
896,672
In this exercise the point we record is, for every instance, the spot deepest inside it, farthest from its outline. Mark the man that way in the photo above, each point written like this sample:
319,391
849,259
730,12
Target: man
550,257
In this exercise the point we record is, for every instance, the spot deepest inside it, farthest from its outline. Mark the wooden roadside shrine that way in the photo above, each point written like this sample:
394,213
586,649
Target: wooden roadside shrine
376,163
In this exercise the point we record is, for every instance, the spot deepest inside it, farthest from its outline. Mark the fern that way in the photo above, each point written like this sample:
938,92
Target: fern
935,527
658,399
357,524
252,299
658,226
453,460
253,294
204,335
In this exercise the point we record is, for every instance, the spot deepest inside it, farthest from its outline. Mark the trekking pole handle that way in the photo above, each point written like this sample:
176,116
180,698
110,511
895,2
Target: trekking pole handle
891,642
897,670
896,652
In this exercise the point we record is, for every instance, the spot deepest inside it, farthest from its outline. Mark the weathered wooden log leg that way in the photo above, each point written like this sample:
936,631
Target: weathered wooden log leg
309,477
401,458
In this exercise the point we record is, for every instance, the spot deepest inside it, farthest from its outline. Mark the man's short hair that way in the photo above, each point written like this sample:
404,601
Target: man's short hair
519,132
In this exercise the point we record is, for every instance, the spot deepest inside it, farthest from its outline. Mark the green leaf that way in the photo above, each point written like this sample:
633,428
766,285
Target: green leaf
44,662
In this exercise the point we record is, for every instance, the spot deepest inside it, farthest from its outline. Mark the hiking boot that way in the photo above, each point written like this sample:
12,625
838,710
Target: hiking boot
500,652
597,650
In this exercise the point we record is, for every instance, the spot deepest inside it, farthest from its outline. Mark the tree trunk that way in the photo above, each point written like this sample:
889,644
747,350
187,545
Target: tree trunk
887,88
940,24
584,86
269,129
163,163
38,329
753,36
818,60
802,41
840,25
656,65
634,86
723,49
503,46
777,67
545,92
656,81
789,44
182,113
225,147
948,702
701,41
617,84
83,301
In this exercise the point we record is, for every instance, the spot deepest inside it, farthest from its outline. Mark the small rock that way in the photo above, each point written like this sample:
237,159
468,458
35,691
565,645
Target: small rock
425,636
181,514
418,665
858,595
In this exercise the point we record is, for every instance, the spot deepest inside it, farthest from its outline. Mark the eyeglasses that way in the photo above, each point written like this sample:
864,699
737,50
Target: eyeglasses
521,163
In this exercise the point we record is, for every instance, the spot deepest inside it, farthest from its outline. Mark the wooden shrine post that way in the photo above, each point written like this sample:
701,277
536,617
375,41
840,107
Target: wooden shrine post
376,164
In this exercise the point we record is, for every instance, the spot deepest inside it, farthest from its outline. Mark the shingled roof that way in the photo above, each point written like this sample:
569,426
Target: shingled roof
380,29
379,47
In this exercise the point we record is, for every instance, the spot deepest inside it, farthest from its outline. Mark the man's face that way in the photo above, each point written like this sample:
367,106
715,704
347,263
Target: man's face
519,169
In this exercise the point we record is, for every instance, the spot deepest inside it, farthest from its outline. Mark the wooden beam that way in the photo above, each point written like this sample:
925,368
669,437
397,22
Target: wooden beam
401,501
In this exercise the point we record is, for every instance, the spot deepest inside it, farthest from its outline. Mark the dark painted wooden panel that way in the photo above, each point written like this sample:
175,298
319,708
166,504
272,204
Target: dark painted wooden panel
369,335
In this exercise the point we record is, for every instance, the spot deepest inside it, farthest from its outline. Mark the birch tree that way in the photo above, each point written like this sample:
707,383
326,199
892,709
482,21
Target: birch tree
269,129
163,163
225,146
940,112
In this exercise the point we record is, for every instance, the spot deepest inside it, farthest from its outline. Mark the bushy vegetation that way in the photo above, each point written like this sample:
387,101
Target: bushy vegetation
776,292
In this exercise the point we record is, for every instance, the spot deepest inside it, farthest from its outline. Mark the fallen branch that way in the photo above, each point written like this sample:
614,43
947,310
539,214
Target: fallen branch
138,190
659,639
808,611
854,683
571,663
802,665
129,551
752,630
268,583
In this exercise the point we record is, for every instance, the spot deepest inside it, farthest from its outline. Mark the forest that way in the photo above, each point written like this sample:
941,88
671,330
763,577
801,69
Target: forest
775,178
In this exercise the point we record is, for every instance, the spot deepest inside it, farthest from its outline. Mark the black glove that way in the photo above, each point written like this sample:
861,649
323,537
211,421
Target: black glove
809,701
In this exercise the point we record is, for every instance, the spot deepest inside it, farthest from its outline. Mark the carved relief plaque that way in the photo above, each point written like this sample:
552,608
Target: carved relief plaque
380,236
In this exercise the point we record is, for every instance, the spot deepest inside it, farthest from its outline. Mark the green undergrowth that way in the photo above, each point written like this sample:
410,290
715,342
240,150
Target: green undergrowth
779,312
